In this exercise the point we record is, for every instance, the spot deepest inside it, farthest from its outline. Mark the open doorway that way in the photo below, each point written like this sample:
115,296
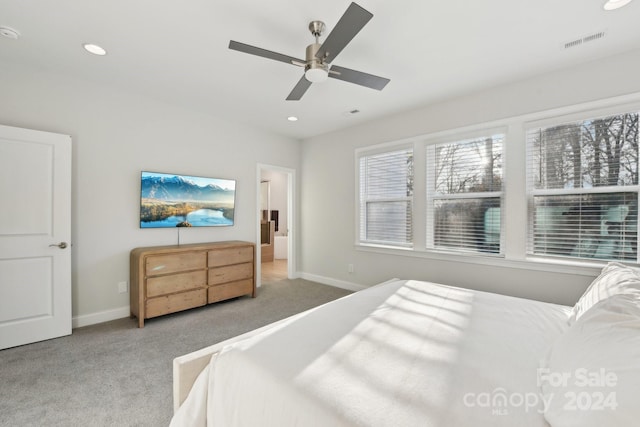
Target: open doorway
275,224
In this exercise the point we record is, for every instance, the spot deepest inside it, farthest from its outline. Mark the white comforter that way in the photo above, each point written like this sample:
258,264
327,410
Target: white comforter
403,353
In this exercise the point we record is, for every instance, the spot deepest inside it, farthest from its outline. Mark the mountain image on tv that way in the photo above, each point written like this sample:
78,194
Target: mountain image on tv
168,200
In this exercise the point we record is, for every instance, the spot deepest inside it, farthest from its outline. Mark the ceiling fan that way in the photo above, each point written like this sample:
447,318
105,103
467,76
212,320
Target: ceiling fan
318,57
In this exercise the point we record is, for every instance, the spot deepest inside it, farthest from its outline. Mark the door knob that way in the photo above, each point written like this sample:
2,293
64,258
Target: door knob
61,245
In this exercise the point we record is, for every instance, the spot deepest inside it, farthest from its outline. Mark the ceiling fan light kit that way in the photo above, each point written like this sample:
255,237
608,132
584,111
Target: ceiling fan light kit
316,75
314,69
318,56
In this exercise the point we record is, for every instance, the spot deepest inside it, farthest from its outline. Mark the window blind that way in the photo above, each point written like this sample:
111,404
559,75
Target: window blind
464,195
583,188
386,195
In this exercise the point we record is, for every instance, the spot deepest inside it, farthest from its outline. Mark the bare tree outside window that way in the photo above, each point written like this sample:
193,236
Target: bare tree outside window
467,194
584,195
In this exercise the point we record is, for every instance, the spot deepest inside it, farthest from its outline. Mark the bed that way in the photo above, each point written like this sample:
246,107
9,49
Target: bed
413,353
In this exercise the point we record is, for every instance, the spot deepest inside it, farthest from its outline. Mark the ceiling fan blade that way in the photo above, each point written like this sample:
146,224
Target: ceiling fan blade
345,30
242,47
301,87
358,77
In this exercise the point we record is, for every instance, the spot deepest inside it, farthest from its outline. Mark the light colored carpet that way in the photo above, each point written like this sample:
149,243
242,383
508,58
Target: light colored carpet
114,374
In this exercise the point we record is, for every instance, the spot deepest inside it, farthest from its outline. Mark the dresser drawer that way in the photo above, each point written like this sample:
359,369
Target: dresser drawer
175,302
230,290
230,273
162,285
228,256
175,263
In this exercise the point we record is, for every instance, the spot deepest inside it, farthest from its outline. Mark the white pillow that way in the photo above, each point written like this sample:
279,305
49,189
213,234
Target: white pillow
614,279
592,374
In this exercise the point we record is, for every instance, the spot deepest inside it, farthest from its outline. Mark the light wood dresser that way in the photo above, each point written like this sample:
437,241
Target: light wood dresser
166,279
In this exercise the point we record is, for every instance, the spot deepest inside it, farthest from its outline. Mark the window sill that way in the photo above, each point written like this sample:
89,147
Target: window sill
554,265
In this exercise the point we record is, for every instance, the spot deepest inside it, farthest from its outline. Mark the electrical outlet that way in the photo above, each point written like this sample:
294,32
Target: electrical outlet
350,268
122,287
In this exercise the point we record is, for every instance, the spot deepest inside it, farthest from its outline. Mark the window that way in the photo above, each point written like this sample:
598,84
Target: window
583,188
464,195
571,196
386,197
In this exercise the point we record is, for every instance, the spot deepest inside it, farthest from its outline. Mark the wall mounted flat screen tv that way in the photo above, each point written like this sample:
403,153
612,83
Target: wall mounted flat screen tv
170,200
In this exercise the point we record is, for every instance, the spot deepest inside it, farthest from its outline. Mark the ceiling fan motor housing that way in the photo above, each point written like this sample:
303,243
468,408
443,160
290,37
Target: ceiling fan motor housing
312,61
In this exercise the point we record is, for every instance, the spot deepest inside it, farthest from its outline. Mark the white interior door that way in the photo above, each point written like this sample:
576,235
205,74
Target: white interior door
35,236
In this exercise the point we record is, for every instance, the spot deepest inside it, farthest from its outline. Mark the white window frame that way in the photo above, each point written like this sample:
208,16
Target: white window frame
368,152
531,191
432,196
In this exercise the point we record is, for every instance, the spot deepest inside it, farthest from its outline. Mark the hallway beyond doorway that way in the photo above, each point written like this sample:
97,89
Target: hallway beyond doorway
273,271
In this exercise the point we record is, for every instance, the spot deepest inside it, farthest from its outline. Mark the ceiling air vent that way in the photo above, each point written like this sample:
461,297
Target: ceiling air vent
585,39
351,112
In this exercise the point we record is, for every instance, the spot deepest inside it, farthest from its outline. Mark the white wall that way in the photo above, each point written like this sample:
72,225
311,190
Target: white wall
328,185
115,136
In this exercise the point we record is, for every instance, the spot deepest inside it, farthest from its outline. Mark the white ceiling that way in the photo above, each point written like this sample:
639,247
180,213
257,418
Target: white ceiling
177,51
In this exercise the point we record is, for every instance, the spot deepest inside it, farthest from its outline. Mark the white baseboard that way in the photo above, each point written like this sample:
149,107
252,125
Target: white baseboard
332,282
119,313
100,317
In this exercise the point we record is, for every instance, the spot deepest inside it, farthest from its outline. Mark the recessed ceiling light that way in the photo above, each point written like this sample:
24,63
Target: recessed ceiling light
615,4
95,49
9,33
292,118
